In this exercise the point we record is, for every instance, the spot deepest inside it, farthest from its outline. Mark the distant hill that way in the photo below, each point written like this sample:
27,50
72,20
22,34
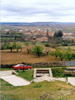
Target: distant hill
64,26
37,23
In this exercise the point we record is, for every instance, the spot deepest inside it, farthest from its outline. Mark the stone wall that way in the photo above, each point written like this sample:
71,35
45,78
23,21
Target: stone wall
38,65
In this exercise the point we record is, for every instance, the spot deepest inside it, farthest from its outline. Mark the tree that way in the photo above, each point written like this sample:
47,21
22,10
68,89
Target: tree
18,46
37,50
63,55
5,46
28,44
59,54
68,54
12,46
58,34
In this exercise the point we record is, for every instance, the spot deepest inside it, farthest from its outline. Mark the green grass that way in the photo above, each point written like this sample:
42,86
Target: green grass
2,69
3,83
27,74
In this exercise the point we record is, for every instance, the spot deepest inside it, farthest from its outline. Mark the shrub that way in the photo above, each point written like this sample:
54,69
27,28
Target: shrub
58,72
38,50
12,46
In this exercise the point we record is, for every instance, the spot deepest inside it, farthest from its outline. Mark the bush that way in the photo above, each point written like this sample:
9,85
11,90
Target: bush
5,46
37,50
58,72
67,55
12,46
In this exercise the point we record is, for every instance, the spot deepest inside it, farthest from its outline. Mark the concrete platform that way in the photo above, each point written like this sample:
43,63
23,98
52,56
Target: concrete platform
49,79
13,79
40,72
71,80
6,73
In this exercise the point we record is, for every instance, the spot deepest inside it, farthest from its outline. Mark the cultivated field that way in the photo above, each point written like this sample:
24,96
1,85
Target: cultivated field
14,58
22,56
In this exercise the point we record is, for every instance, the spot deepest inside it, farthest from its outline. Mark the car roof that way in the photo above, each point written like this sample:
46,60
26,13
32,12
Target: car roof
18,65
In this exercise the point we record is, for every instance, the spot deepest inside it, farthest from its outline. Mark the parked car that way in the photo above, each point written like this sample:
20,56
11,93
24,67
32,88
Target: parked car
22,67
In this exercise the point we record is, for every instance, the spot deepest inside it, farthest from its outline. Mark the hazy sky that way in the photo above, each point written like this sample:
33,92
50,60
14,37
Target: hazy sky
37,10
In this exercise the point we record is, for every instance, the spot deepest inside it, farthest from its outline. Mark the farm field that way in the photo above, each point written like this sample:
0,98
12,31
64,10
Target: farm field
14,58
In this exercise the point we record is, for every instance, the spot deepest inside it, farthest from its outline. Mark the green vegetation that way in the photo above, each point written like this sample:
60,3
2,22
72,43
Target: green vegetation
28,47
27,74
58,72
46,44
38,50
2,69
58,34
12,36
4,83
67,54
38,91
29,54
12,46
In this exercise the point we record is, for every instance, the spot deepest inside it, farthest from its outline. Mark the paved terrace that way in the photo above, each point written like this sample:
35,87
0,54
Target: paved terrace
13,79
39,76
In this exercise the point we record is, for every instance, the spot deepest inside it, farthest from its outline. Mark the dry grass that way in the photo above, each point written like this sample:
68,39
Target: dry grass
14,58
54,91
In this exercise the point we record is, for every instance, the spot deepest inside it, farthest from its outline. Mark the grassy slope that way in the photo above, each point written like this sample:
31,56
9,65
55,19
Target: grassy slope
53,91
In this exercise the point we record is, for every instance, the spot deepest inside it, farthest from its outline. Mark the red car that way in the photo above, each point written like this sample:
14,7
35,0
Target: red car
22,67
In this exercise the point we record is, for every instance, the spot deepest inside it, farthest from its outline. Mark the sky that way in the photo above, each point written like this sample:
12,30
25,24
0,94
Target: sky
37,10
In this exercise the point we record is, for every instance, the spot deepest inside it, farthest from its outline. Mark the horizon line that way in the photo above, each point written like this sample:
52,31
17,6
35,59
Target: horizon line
39,22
